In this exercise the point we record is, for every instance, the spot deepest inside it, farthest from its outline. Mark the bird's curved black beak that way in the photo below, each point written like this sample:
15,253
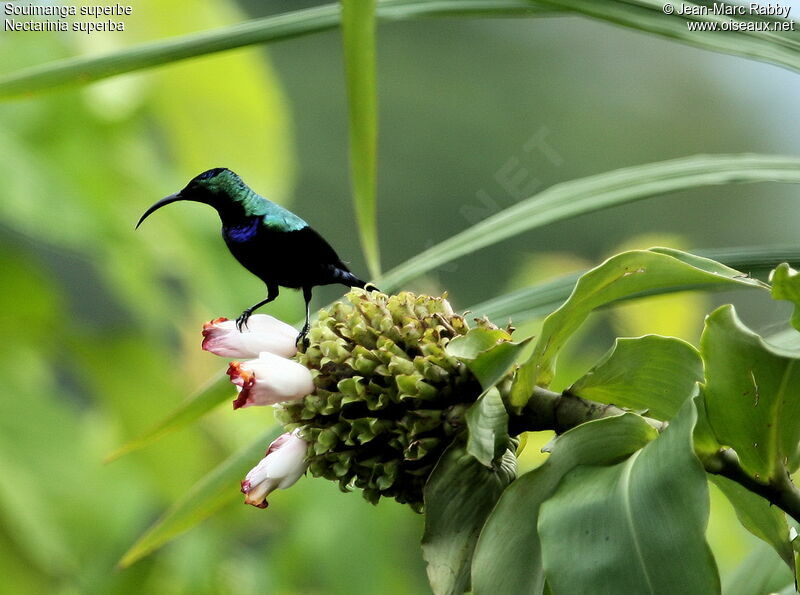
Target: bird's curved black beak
164,201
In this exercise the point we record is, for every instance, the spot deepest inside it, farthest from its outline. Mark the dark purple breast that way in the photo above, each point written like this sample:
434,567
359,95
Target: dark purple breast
241,233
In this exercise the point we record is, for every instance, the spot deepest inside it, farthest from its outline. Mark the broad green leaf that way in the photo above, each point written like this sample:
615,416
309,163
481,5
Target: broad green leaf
358,34
459,495
644,15
508,556
541,299
757,515
752,395
593,193
624,275
652,373
476,341
487,424
204,400
488,353
202,499
786,286
705,442
628,527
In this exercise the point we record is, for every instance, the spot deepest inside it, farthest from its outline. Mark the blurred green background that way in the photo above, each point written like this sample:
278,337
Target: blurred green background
101,324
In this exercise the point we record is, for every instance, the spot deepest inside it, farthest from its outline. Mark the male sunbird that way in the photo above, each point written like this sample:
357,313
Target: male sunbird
271,242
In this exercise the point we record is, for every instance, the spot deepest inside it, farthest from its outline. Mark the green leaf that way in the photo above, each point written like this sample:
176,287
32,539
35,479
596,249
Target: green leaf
786,286
651,373
358,34
624,275
540,299
628,527
705,442
215,391
778,48
760,572
593,193
487,424
201,500
488,353
758,516
459,495
648,15
508,556
82,70
752,396
476,341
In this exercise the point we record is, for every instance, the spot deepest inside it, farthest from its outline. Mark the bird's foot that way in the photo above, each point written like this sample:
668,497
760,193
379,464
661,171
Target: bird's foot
302,338
241,322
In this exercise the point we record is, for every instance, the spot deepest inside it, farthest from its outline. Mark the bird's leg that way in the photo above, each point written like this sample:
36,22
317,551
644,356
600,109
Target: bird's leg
272,293
304,331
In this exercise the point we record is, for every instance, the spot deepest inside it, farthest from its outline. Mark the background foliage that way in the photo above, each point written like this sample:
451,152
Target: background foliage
101,325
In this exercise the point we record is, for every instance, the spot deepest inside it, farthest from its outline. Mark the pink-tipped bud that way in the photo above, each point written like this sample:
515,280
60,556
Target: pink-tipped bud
262,333
280,469
269,379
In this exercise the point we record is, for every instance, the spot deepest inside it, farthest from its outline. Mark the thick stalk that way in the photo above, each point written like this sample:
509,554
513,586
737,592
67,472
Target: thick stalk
548,410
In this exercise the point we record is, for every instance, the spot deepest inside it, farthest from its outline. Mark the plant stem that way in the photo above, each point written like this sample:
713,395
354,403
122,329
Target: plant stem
548,410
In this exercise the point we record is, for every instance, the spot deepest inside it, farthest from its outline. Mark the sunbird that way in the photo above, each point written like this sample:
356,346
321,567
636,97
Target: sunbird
271,242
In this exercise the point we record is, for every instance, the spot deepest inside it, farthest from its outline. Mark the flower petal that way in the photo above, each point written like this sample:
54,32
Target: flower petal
269,379
283,465
262,333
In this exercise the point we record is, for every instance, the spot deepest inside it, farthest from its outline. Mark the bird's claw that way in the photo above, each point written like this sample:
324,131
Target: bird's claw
241,322
302,339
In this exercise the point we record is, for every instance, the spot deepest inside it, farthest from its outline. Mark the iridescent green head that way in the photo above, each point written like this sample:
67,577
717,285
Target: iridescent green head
214,184
219,187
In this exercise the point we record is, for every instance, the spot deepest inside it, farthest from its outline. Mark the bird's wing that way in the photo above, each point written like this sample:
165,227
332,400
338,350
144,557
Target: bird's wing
317,249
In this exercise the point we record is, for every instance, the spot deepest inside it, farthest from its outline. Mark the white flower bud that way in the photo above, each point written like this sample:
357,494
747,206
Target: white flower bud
262,333
280,469
269,379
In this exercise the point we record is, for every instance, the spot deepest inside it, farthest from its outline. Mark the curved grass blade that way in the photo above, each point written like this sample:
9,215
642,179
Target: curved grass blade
86,69
542,298
358,34
627,274
585,195
646,15
202,499
782,48
216,390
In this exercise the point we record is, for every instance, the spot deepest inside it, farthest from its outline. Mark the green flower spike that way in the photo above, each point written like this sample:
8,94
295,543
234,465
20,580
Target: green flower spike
388,398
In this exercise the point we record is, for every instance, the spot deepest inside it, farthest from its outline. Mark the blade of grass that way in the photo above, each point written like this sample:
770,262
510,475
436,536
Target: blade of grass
201,500
541,299
206,398
782,49
86,69
593,193
358,36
